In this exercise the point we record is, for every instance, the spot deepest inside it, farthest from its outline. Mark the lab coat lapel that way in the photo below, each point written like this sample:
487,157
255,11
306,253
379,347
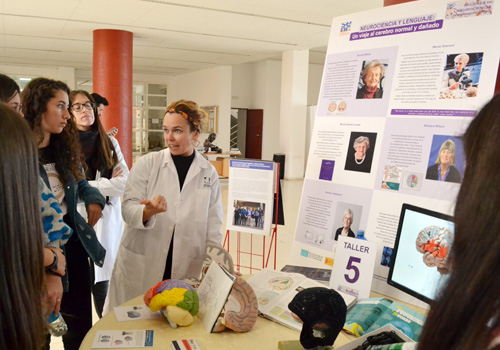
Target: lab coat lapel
194,170
169,163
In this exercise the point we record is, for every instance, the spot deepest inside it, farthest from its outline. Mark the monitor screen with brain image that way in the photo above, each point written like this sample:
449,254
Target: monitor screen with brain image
420,263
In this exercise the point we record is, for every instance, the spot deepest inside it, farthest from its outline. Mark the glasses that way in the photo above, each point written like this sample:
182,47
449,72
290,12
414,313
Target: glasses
78,107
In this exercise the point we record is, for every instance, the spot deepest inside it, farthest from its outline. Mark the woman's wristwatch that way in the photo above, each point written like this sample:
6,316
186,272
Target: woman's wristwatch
53,266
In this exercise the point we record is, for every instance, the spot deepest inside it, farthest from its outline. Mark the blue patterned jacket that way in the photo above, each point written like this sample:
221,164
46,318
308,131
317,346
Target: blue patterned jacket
85,233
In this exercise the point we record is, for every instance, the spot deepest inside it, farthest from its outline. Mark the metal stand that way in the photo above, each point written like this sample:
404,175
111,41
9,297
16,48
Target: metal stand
262,254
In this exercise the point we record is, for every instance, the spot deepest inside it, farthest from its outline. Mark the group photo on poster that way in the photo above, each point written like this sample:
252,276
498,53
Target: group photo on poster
249,214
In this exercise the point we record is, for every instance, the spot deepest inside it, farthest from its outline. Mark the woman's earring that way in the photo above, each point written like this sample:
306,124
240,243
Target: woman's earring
196,143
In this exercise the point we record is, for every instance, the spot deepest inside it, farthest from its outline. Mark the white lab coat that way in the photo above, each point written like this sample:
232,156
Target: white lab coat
109,228
195,213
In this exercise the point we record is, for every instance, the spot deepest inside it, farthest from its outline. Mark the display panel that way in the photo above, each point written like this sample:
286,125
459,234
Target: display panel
420,266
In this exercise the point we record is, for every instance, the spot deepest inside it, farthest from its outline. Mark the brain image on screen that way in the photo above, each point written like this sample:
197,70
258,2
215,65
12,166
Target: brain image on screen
434,243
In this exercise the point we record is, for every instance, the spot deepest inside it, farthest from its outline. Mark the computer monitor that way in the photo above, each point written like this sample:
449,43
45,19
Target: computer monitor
420,264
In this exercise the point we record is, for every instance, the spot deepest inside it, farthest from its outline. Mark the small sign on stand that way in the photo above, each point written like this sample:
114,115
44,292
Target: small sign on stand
353,266
252,186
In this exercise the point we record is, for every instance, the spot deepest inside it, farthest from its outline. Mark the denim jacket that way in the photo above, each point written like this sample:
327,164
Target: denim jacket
85,233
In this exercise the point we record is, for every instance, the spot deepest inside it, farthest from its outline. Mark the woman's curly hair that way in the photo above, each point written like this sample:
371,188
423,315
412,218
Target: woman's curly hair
35,98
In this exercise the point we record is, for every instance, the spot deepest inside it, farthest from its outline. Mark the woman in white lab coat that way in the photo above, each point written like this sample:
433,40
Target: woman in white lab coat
172,206
108,172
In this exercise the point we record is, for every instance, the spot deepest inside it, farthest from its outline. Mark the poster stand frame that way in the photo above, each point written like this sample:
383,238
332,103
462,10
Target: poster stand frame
273,244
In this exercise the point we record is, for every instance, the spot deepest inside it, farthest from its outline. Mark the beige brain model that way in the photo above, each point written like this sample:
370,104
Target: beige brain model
434,243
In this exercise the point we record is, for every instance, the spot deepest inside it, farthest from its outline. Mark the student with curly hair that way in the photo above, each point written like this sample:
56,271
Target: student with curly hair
55,232
173,208
46,109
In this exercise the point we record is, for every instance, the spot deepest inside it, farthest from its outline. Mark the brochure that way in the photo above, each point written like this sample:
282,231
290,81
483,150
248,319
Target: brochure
134,312
213,293
317,274
373,313
276,289
123,339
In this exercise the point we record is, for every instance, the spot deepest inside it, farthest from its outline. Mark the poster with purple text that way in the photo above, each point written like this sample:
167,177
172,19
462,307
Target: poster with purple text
400,85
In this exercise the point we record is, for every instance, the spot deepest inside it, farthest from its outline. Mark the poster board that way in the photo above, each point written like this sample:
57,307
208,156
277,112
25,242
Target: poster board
251,190
414,110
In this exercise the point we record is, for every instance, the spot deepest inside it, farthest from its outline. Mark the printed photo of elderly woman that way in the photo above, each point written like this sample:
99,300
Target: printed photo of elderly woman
360,151
372,76
445,161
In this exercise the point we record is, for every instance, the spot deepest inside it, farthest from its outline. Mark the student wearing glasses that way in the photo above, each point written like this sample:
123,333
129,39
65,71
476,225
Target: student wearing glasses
45,107
107,171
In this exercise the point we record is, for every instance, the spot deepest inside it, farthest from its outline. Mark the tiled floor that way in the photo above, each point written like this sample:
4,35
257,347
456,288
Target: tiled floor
291,193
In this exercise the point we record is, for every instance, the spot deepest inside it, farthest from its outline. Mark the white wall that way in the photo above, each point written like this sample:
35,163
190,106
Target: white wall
64,74
152,79
84,74
268,88
314,83
209,87
242,85
258,86
311,115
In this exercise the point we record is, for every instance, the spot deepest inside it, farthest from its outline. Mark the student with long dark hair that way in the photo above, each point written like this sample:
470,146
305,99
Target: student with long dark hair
100,102
56,232
21,257
45,106
466,315
10,94
107,171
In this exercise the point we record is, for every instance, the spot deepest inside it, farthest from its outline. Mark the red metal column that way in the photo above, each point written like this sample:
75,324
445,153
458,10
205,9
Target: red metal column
112,78
395,2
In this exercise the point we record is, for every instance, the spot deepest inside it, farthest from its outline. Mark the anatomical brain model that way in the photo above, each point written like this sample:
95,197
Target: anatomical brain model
434,243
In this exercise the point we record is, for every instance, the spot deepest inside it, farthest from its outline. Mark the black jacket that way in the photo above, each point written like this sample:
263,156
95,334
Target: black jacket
453,175
361,93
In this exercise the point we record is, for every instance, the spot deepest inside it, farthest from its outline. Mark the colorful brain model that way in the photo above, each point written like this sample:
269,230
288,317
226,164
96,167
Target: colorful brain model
178,297
434,243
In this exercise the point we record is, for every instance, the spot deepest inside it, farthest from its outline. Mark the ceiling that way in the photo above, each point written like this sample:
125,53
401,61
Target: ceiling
170,37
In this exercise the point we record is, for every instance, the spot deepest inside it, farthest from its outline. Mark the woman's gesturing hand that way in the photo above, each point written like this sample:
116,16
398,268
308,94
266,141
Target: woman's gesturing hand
153,207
